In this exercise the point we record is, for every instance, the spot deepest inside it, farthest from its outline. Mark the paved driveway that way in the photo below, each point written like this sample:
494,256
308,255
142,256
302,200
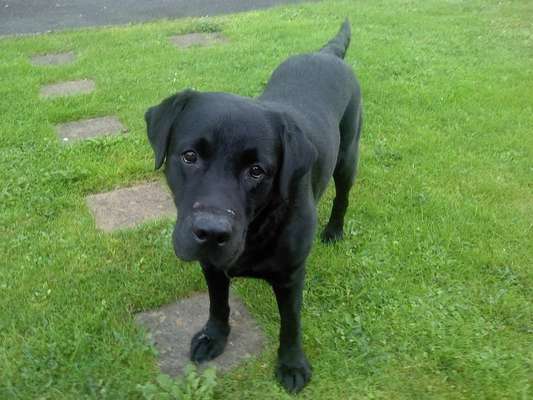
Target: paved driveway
35,16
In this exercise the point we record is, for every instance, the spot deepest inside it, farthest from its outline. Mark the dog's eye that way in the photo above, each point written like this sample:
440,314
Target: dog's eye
189,157
256,172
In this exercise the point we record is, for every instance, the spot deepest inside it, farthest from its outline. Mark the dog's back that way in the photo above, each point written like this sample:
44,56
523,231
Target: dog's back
323,96
318,84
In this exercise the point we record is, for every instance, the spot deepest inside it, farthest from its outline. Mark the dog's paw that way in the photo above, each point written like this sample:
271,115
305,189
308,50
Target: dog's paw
330,235
205,346
294,375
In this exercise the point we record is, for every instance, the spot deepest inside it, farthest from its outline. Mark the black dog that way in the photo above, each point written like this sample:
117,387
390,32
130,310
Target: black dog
247,174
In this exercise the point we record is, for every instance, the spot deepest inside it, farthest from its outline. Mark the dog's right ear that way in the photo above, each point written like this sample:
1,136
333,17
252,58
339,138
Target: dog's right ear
298,155
160,120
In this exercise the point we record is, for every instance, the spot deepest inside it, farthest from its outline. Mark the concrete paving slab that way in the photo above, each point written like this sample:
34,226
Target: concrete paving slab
69,88
198,39
128,207
172,326
89,128
53,58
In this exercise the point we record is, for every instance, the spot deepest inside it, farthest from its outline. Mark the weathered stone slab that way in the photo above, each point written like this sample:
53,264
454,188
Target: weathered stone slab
198,39
53,58
172,327
89,128
128,207
68,88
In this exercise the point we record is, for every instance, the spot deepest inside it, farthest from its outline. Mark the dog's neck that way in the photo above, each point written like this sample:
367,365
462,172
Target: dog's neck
266,225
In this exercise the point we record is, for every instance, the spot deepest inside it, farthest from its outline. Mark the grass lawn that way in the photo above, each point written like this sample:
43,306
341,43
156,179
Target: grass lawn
428,297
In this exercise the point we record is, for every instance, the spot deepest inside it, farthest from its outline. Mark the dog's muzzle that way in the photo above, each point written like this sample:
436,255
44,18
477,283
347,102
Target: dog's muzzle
211,229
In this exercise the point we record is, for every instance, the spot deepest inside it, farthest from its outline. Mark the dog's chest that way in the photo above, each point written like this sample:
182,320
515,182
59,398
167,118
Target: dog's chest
257,262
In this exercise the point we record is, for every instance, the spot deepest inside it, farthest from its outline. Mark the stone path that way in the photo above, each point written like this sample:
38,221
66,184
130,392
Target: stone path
128,207
69,88
197,39
89,128
53,58
171,328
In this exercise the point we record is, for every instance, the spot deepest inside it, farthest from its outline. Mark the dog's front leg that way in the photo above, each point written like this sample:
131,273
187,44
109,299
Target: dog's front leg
293,370
210,342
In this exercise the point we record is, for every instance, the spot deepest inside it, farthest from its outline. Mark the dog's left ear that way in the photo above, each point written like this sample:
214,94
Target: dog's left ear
160,120
298,156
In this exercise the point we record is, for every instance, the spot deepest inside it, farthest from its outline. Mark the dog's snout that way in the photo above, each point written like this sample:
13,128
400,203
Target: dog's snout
211,229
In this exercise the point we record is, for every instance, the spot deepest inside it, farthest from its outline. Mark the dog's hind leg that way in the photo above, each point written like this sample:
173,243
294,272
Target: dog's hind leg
345,170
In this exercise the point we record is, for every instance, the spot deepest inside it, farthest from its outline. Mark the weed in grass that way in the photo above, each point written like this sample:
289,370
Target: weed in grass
192,386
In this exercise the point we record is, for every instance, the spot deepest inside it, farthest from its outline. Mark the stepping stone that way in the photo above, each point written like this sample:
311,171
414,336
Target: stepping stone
53,58
128,207
172,327
197,39
68,88
89,128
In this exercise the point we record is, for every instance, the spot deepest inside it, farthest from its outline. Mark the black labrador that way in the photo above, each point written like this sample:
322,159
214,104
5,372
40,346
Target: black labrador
246,175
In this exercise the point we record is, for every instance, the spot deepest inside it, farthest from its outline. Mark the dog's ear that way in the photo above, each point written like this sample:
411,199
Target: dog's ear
160,120
298,156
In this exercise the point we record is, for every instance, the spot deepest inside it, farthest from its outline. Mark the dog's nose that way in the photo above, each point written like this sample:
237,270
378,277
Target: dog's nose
211,228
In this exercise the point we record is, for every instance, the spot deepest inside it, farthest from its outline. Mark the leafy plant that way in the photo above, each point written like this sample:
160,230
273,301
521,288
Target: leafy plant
193,386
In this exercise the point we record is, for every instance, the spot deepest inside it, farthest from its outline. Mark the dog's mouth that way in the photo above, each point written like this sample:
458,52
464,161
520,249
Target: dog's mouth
224,261
222,258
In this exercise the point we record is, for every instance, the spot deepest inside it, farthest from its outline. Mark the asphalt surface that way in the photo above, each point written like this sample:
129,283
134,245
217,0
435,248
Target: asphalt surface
37,16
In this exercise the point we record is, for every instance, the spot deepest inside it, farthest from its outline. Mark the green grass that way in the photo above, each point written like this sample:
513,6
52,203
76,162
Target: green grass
430,295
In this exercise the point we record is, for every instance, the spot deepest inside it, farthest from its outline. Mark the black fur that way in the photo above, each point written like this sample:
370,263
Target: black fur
247,174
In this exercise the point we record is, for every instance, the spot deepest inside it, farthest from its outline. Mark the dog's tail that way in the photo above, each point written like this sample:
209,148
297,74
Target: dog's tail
339,44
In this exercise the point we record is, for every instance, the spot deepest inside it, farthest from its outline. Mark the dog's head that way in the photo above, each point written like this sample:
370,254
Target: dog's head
226,158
